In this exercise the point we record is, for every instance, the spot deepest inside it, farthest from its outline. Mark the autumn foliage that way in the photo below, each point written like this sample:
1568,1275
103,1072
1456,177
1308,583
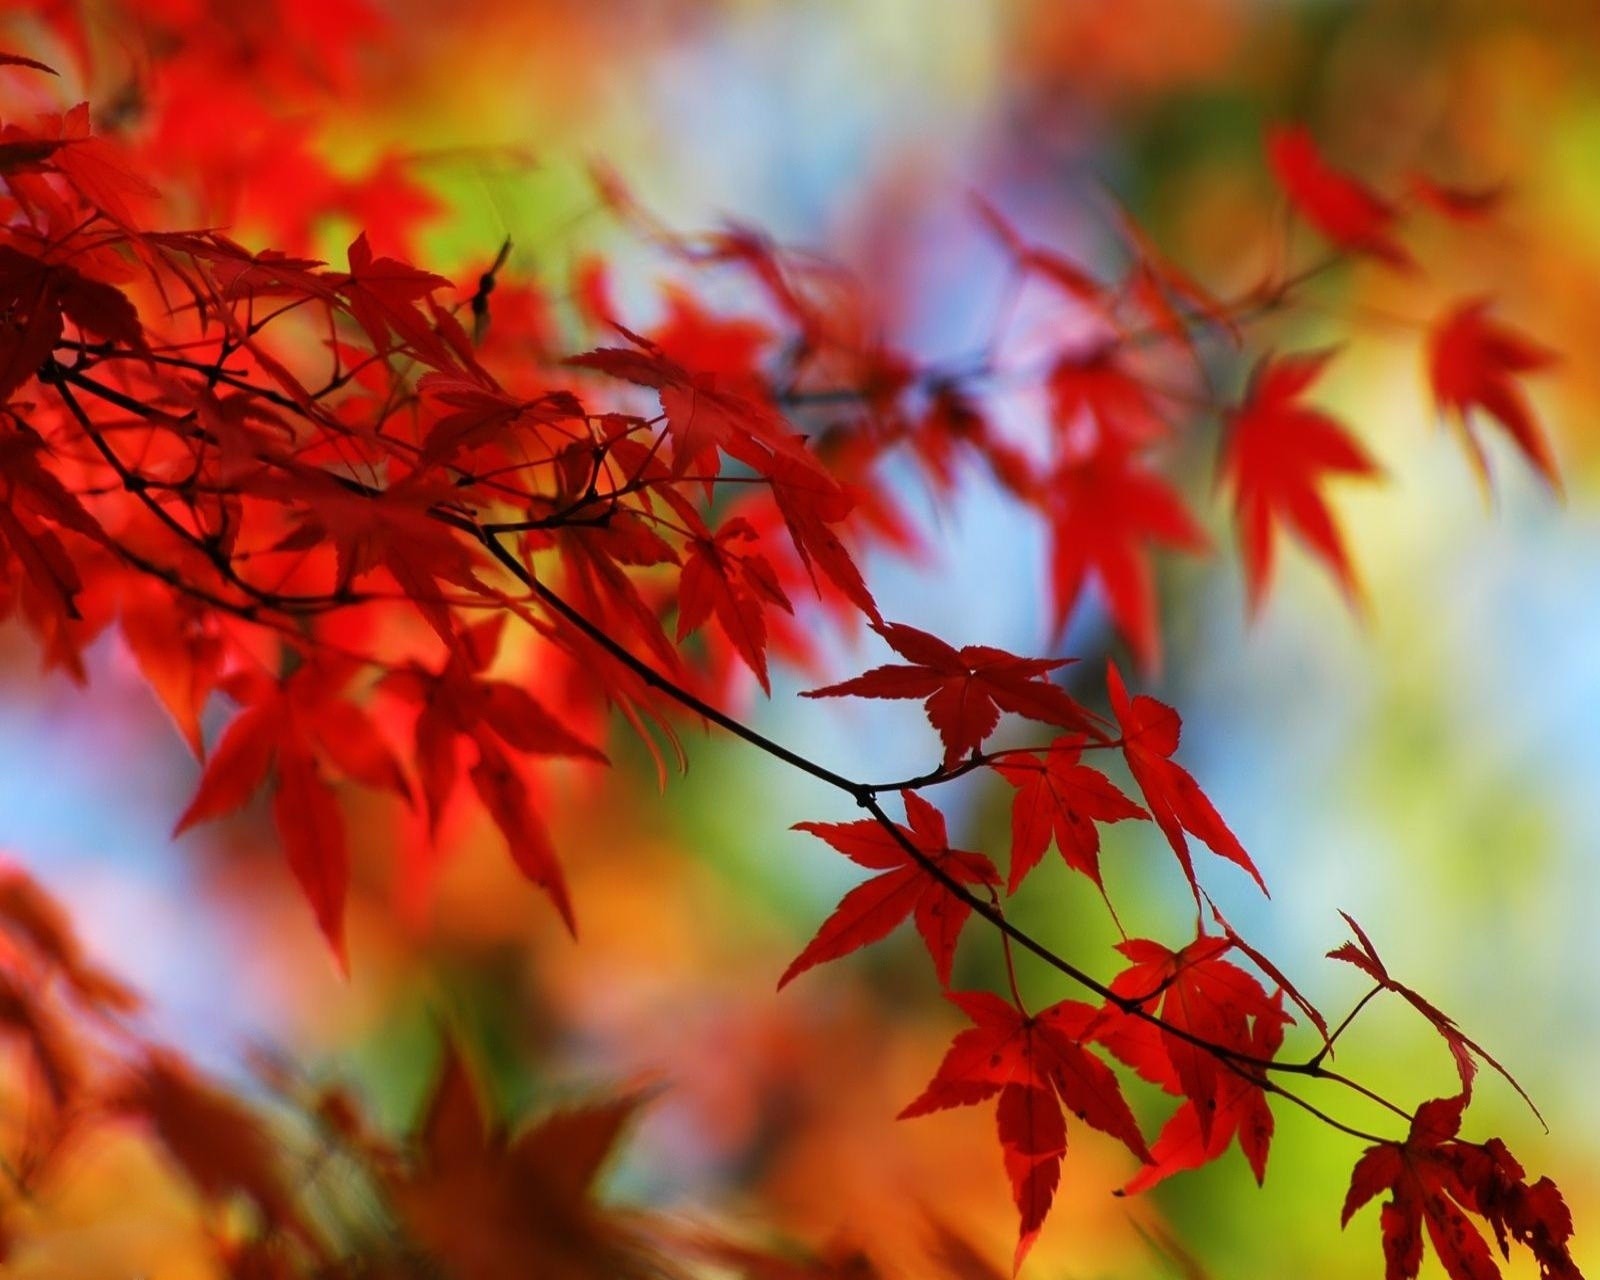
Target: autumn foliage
426,540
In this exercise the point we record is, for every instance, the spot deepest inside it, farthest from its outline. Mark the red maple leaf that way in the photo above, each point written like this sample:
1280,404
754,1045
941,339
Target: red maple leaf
237,273
1276,454
1472,365
1150,731
1535,1216
1099,384
1060,798
705,411
1345,210
1196,1133
37,297
1466,1052
301,726
392,530
1435,1179
904,887
737,586
1106,511
1202,1000
811,504
458,703
1037,1063
965,689
476,412
96,169
504,793
383,293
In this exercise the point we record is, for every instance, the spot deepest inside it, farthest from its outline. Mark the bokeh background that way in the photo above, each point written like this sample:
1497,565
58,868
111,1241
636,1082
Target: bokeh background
1433,768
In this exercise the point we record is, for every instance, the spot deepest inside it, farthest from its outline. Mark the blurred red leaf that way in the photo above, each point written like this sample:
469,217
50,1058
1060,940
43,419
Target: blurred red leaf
1473,363
1277,453
1346,211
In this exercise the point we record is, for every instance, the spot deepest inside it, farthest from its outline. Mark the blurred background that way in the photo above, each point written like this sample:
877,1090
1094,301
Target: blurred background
1432,768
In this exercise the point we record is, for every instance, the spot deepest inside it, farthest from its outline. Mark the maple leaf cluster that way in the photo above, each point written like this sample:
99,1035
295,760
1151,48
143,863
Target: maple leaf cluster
316,494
